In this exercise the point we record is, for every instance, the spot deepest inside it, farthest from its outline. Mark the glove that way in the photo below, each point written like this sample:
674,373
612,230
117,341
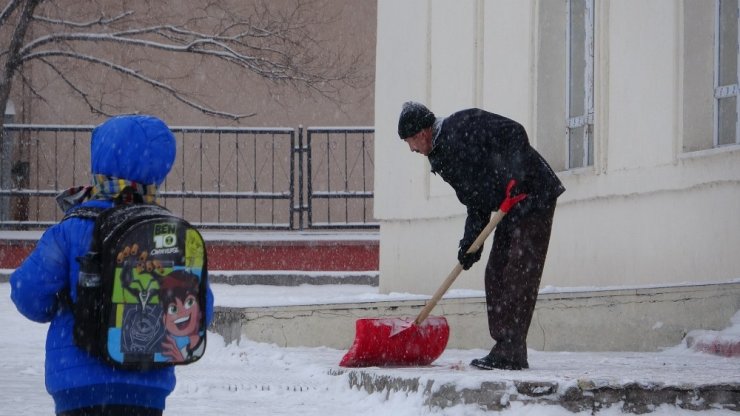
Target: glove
468,259
509,201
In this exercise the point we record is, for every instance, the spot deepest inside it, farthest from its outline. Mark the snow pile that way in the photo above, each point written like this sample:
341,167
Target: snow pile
725,342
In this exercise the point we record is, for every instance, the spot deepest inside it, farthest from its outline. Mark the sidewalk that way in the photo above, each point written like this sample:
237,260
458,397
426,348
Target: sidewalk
632,382
264,379
628,382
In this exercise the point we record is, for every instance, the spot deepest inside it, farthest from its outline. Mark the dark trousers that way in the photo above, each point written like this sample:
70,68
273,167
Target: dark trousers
113,410
513,275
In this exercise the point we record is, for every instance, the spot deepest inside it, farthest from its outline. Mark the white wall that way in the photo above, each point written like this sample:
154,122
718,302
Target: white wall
645,214
606,320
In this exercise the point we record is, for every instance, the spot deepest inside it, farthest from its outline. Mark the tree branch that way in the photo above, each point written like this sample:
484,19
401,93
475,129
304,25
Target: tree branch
100,22
85,97
200,44
197,43
151,81
12,60
16,42
29,84
273,44
8,10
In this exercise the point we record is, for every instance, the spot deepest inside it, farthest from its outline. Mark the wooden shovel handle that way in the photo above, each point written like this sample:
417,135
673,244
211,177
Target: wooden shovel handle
495,219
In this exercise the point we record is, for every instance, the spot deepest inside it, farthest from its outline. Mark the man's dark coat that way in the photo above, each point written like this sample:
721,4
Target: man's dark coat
477,153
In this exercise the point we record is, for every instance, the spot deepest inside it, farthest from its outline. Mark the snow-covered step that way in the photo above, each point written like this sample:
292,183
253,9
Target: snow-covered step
583,383
294,277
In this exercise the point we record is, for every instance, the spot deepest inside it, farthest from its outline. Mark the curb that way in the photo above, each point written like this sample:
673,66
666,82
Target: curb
297,278
578,396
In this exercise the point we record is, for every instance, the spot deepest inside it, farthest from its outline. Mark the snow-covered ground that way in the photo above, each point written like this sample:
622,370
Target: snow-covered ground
262,379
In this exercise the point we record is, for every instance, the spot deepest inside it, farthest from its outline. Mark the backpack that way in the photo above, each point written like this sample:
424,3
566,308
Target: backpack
141,292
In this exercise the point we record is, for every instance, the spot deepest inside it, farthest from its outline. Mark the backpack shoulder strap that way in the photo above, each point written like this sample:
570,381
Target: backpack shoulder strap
89,213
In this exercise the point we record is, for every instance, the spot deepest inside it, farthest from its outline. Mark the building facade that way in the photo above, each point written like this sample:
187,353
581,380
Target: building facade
633,103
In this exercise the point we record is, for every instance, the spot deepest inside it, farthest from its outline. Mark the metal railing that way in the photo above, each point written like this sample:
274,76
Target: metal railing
340,177
223,178
233,177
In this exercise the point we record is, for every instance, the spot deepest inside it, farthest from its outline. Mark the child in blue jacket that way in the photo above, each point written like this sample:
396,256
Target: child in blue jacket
127,151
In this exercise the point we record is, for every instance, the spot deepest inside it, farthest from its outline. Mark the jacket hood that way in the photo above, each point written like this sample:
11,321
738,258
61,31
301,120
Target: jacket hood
138,148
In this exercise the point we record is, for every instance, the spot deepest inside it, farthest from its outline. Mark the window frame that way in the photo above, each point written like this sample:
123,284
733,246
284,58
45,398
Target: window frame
725,91
585,120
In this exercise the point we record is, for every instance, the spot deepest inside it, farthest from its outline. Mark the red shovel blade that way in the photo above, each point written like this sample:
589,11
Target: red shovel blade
386,342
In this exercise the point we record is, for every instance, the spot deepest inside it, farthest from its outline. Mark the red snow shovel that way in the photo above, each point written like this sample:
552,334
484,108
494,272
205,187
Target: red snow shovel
388,342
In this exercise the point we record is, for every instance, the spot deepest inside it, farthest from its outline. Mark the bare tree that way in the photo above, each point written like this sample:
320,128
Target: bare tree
129,38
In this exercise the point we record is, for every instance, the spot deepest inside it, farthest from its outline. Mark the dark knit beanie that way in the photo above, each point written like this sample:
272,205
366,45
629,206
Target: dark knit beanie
414,118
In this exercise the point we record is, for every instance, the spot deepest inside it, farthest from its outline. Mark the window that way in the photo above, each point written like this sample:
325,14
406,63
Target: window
710,74
726,74
580,83
564,112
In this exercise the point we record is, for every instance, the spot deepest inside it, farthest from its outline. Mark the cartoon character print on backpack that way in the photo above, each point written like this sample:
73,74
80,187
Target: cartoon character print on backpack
179,296
161,305
195,251
136,286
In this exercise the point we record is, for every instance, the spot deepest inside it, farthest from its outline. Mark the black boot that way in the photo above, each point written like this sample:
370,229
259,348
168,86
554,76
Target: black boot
503,359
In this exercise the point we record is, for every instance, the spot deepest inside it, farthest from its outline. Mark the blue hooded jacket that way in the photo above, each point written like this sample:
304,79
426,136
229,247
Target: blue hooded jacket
136,148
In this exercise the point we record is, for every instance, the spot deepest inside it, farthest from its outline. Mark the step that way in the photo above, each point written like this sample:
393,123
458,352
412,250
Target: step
626,319
293,277
594,392
289,250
